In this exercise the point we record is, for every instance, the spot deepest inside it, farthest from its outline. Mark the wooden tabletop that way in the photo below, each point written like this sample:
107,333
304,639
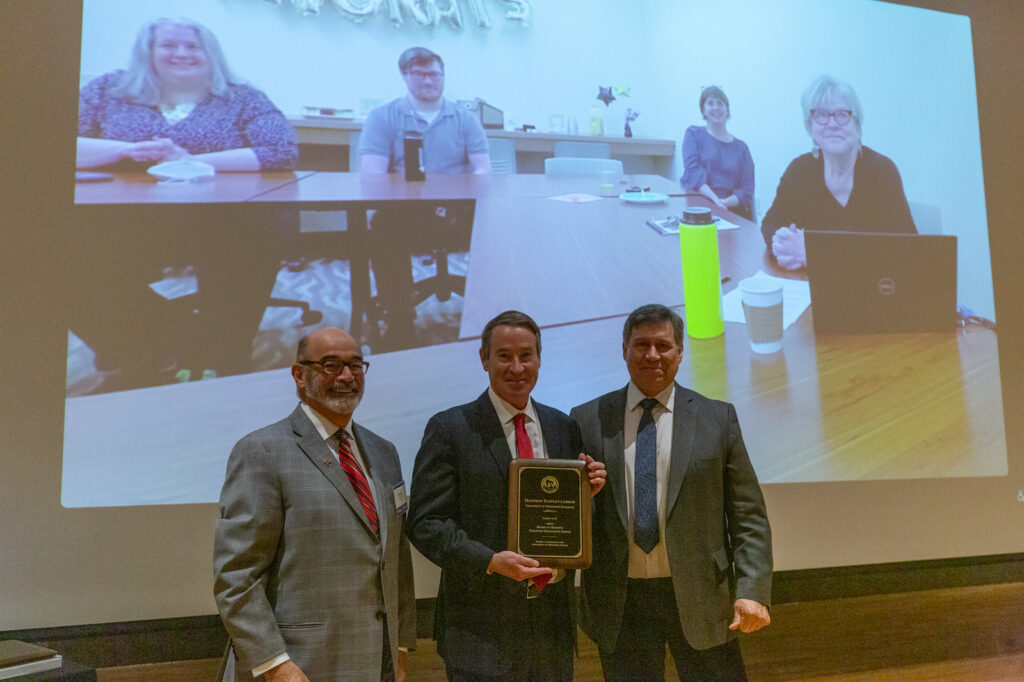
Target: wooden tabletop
825,408
328,187
135,187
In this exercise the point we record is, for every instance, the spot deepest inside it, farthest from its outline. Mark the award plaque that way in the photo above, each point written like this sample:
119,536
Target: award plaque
549,511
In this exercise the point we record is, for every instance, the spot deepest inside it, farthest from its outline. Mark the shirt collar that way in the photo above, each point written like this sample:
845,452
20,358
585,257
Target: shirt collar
406,107
506,411
324,426
666,398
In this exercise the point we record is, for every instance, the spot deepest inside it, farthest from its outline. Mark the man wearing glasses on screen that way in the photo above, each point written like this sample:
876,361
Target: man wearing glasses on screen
453,139
446,139
313,573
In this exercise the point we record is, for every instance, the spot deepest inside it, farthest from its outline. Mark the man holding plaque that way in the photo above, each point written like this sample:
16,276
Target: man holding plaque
499,615
682,546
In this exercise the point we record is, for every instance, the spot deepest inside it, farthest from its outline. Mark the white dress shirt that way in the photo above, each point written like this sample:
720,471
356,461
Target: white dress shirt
505,414
642,564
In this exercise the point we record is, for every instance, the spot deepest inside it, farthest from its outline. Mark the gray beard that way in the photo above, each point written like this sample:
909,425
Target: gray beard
343,405
340,404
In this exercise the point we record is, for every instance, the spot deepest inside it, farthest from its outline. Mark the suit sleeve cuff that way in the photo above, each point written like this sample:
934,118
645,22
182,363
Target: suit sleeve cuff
272,663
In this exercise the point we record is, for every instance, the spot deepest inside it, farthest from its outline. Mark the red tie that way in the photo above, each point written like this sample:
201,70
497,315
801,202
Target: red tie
525,449
358,480
523,445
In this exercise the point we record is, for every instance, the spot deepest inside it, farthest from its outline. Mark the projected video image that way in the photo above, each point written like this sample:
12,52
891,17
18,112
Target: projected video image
248,172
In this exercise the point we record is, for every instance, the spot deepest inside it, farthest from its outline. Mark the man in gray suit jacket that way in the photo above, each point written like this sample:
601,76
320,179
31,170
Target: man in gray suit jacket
313,572
682,546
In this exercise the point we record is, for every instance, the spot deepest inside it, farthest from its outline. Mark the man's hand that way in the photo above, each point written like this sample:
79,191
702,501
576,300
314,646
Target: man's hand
403,656
286,672
788,247
596,473
750,616
516,566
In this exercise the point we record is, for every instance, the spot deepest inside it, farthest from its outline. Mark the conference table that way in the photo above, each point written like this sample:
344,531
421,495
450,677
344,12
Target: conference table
133,230
500,200
827,407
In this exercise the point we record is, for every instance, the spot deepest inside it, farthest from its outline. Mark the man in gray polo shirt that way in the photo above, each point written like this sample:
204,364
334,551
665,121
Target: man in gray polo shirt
453,142
453,139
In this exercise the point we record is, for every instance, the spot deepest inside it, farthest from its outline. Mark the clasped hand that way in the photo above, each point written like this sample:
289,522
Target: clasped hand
788,247
158,150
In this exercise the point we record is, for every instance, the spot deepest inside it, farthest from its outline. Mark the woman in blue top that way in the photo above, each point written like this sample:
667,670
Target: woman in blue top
716,164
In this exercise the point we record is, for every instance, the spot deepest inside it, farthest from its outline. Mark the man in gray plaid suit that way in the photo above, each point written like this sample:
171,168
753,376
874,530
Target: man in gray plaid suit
313,575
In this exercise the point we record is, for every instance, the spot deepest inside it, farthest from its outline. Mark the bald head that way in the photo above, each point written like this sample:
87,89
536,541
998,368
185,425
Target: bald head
310,344
335,396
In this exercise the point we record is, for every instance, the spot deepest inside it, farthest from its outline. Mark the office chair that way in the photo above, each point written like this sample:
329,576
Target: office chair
927,217
583,150
570,165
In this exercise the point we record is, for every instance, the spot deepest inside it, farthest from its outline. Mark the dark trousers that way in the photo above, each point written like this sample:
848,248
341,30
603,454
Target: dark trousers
542,653
387,666
650,620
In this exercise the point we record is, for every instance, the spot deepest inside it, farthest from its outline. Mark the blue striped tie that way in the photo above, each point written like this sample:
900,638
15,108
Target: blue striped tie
645,480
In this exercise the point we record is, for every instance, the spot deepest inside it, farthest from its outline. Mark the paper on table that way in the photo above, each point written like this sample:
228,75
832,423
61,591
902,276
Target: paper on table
796,297
576,198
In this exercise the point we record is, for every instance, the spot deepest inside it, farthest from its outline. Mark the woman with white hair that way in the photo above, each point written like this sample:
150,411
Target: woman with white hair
839,185
179,98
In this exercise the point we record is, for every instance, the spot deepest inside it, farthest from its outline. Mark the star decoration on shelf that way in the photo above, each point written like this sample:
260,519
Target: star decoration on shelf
605,94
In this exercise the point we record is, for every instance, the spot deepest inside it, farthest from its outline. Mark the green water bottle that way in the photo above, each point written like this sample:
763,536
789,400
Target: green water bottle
702,284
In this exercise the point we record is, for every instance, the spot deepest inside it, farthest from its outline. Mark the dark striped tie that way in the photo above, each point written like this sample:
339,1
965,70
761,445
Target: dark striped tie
645,480
358,480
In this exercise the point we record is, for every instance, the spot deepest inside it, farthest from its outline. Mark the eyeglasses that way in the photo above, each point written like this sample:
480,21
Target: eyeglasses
841,116
425,75
332,368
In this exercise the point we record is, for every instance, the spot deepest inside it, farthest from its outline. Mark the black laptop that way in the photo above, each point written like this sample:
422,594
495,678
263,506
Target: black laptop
870,283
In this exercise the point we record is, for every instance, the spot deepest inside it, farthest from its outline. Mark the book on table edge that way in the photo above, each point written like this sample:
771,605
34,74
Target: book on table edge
21,658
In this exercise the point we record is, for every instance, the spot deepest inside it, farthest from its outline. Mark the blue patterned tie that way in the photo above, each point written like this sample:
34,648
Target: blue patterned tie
645,480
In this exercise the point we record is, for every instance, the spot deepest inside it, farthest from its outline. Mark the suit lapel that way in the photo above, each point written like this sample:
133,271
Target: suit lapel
684,422
492,434
554,438
611,416
314,447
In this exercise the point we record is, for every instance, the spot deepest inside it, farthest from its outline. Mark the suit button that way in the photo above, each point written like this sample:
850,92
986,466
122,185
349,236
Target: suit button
380,615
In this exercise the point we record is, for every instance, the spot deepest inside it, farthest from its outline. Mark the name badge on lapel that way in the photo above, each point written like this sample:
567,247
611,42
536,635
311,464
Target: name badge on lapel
401,499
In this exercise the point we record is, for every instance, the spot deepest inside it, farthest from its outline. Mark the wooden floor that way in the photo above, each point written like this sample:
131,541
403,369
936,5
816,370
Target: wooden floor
955,634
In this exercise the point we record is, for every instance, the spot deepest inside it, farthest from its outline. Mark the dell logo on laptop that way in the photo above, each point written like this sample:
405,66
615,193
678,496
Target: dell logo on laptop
886,286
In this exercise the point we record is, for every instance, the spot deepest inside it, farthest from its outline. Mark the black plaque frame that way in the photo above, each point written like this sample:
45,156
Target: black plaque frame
549,512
